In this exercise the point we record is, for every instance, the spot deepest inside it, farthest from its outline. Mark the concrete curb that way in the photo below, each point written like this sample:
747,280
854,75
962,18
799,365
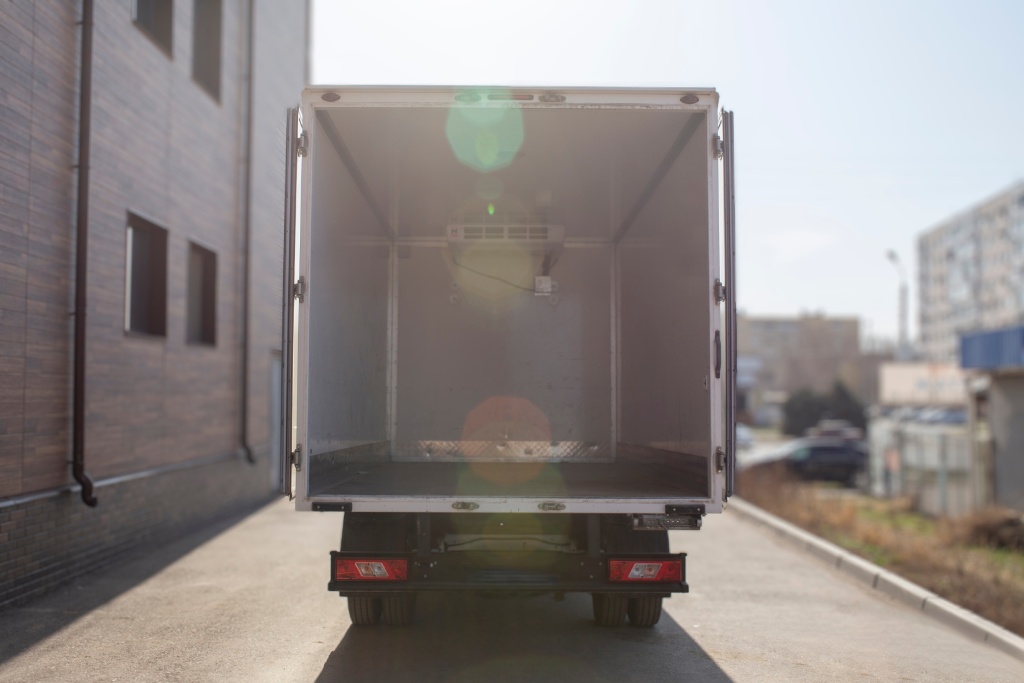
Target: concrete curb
870,574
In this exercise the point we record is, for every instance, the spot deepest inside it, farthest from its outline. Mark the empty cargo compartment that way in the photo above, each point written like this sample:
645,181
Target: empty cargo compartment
508,300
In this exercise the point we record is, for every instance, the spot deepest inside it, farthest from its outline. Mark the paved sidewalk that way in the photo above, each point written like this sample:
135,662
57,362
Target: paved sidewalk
248,602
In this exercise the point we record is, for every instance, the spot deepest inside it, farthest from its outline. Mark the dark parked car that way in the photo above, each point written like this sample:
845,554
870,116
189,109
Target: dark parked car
825,459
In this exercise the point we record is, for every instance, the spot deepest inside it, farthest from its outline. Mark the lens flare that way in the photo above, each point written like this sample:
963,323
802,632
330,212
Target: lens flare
506,418
485,135
496,422
490,209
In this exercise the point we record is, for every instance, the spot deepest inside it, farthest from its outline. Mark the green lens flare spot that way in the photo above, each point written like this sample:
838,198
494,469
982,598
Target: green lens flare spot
490,209
485,135
488,148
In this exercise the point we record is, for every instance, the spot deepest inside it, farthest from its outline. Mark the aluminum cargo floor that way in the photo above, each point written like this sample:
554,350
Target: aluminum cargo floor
533,480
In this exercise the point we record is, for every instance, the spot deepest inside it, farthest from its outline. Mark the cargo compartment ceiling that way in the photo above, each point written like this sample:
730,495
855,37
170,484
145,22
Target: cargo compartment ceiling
592,170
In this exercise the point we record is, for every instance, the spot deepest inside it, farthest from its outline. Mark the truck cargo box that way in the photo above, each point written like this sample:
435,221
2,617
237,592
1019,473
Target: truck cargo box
508,301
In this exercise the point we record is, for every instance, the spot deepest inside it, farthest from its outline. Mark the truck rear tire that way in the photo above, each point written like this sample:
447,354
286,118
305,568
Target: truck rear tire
609,609
364,611
398,610
644,612
378,533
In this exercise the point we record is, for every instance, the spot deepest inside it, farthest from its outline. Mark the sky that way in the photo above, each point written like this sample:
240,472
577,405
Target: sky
859,124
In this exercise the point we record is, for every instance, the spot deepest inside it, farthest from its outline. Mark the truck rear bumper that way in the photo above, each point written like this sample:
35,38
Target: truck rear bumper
481,571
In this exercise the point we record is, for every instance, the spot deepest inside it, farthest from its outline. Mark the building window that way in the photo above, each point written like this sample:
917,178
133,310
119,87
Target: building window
206,30
156,18
145,308
202,296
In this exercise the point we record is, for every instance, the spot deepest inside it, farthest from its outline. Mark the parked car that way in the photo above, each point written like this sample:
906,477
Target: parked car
943,416
826,459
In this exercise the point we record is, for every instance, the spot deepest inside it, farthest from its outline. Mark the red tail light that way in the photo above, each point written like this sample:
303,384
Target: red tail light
645,570
371,569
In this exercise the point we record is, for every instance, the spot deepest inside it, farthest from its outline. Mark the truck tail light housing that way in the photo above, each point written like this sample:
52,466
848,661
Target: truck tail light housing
660,570
371,569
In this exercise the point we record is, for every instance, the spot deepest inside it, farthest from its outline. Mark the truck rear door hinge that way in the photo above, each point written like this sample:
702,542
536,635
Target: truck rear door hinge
299,289
719,459
301,149
295,457
717,147
719,291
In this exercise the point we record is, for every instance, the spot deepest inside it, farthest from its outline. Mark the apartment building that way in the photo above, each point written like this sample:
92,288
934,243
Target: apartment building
971,273
142,180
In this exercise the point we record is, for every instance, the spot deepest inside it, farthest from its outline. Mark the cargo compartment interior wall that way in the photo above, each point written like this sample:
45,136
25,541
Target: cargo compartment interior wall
664,317
347,312
509,301
488,363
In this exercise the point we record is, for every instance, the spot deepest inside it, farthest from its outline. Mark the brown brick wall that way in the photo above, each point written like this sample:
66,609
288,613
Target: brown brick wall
38,111
51,540
164,148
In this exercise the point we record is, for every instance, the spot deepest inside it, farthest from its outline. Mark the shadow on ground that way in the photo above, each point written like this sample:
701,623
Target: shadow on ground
458,637
23,626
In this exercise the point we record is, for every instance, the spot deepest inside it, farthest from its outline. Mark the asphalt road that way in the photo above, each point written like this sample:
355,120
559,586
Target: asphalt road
247,602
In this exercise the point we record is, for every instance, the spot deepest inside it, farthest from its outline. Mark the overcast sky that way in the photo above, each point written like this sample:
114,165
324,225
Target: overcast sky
859,124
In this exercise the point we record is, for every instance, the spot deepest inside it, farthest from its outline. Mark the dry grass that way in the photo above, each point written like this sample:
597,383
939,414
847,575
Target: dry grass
973,562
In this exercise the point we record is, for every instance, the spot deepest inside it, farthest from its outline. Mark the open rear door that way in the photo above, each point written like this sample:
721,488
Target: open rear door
292,153
729,170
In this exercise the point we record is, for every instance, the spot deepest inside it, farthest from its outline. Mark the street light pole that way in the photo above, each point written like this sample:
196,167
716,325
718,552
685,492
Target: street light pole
902,350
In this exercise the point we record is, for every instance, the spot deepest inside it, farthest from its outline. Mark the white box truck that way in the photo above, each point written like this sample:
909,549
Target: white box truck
508,335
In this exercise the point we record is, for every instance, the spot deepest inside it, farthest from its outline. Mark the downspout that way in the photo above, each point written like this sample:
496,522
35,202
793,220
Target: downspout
243,427
81,258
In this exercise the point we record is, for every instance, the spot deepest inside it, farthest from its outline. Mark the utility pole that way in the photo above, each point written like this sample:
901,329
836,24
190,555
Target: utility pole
903,348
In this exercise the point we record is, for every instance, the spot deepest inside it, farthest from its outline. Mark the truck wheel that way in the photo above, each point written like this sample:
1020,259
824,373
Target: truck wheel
644,612
609,609
398,610
363,611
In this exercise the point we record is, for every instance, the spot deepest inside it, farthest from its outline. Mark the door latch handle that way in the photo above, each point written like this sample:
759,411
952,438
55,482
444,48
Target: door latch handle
718,354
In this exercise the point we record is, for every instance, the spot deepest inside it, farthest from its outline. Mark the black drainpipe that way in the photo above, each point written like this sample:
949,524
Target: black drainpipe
243,426
81,261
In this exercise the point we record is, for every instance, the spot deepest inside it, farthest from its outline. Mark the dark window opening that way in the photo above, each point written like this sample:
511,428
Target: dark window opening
156,18
146,278
206,32
202,296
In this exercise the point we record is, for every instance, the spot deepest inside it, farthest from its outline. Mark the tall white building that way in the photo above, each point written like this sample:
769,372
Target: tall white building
971,273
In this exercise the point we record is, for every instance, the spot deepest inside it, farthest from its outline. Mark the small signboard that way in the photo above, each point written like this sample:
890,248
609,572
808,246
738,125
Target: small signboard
922,384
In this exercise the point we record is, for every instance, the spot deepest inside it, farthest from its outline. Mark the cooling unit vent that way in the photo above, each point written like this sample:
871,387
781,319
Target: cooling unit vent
508,233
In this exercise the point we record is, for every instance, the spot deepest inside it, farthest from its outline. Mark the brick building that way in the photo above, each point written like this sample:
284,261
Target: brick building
152,135
788,354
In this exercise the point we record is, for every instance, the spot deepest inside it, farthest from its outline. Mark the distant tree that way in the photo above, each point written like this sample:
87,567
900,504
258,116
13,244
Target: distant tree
845,406
803,410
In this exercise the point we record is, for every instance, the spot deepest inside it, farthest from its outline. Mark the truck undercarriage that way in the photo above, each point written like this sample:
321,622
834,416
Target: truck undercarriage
386,559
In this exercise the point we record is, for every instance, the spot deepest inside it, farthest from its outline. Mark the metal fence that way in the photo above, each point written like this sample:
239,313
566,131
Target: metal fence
933,464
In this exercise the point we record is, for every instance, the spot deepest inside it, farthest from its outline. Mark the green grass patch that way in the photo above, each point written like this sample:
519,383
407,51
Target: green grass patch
944,556
878,554
897,520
